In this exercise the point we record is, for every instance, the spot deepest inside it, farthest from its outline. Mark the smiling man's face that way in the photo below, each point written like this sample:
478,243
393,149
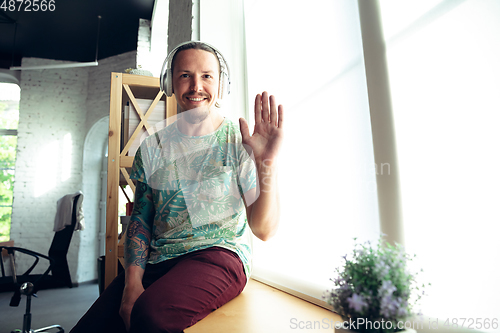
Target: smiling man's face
195,80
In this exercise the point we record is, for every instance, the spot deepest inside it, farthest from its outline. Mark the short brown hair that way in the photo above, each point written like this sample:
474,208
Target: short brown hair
196,46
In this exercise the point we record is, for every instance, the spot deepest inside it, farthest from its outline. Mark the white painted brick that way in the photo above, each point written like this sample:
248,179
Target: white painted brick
53,104
99,85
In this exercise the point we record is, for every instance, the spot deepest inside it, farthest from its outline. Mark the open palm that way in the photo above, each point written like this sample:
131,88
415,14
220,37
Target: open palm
267,136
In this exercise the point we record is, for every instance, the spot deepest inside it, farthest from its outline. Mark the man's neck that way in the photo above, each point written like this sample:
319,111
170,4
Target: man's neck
191,126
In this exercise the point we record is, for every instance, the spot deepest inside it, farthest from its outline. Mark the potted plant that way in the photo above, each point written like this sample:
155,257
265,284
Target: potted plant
375,290
138,71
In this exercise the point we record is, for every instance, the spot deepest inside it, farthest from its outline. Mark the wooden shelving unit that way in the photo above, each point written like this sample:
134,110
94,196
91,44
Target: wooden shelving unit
126,88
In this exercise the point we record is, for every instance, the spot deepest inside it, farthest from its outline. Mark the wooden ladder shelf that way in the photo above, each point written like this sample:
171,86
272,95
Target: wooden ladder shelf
126,88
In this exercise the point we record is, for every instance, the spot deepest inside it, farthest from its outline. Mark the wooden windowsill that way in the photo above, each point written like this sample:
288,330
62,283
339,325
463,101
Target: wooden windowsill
261,309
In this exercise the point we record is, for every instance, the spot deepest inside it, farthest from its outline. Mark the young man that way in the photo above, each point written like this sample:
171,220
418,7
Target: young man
201,184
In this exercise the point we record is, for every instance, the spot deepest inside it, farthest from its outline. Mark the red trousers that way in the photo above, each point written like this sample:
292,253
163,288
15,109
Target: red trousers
178,293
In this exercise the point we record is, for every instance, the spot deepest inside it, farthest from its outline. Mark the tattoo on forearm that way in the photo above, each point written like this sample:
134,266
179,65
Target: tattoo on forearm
133,228
136,245
139,229
141,254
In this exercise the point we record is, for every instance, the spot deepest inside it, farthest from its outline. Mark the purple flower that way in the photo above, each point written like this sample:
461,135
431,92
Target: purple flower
402,309
387,288
381,268
338,281
357,302
388,306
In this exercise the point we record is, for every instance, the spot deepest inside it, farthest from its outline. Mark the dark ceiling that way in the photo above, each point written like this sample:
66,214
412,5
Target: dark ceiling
70,31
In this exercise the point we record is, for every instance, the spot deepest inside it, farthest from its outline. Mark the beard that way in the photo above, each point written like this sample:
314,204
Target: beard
196,115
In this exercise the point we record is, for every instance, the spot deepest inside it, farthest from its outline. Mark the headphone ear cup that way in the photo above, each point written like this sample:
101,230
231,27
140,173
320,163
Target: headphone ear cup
168,83
221,86
166,77
223,89
227,84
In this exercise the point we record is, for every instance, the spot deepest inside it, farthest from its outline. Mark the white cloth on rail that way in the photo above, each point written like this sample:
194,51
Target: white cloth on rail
65,210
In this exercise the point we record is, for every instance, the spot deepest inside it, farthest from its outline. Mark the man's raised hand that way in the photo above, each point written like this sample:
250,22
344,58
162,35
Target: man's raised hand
267,136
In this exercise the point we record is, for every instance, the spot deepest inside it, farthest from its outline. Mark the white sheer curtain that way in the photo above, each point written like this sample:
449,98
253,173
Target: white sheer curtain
309,55
444,79
444,68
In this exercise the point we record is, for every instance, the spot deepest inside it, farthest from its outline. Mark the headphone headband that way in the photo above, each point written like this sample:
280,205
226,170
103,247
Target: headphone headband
166,72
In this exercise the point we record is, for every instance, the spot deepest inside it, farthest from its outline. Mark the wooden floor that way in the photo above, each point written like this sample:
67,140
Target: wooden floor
263,309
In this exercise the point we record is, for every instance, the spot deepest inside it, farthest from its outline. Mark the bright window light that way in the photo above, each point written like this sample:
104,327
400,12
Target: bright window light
445,79
310,58
9,92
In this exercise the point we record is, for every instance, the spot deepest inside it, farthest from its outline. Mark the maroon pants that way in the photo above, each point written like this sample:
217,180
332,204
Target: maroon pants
179,292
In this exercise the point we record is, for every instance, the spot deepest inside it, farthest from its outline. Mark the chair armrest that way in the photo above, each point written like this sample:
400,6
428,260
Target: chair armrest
28,252
11,251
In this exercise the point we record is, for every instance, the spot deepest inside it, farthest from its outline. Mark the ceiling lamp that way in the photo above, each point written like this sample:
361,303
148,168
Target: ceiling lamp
55,66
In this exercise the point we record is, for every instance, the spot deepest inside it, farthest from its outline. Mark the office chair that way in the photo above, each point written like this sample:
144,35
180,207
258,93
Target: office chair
59,249
60,275
26,286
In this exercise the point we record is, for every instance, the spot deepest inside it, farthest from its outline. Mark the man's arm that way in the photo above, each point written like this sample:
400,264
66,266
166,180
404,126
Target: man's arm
137,240
138,234
263,214
263,208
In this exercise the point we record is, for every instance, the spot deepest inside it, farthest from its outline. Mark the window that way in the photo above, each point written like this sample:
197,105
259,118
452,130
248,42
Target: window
9,117
442,59
309,55
443,66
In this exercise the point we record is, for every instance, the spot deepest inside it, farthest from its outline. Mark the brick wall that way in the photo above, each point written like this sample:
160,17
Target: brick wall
58,108
99,85
49,153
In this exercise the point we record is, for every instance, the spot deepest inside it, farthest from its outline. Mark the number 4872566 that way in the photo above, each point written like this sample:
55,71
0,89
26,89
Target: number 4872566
28,5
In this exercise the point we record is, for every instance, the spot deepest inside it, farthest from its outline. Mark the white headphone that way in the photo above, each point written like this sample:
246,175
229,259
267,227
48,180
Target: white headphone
166,70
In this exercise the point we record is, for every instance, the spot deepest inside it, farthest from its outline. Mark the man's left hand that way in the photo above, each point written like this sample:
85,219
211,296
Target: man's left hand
267,136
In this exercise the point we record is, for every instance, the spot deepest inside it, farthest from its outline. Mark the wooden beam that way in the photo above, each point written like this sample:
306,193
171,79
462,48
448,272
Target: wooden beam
126,161
142,116
140,80
127,178
143,123
146,87
111,265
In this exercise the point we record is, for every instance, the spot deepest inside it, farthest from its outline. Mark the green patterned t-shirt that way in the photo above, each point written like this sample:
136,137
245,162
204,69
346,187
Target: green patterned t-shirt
197,184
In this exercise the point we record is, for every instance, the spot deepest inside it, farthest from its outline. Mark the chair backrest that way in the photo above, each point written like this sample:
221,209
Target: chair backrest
62,238
59,249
